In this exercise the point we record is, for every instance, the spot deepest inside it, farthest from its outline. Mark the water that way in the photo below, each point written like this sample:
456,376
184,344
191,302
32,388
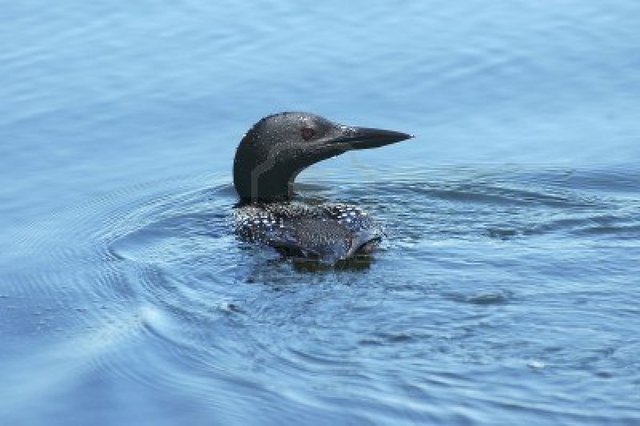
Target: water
507,289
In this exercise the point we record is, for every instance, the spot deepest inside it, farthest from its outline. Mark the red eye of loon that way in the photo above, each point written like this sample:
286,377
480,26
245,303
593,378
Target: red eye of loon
307,133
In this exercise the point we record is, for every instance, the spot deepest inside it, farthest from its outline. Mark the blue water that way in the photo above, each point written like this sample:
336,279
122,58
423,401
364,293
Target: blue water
506,292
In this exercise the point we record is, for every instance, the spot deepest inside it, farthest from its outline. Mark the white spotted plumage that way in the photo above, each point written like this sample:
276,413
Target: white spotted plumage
323,229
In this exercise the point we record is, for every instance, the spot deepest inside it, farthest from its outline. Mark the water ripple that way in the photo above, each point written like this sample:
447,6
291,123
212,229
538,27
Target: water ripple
164,297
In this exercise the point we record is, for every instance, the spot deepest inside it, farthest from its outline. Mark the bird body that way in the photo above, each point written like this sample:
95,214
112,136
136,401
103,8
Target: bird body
327,232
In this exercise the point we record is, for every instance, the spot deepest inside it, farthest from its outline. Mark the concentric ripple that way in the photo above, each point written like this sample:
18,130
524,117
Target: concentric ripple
469,288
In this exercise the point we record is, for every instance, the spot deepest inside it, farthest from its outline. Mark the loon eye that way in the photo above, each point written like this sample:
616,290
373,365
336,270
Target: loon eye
307,133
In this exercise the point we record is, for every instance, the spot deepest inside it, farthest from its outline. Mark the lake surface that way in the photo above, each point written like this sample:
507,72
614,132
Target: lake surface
506,292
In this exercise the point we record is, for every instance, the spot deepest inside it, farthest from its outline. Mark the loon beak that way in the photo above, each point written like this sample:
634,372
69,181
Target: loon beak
365,138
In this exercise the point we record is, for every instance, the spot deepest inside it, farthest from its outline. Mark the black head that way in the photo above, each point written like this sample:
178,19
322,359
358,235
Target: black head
280,146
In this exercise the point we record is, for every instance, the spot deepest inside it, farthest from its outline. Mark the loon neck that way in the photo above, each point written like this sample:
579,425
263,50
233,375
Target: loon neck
263,183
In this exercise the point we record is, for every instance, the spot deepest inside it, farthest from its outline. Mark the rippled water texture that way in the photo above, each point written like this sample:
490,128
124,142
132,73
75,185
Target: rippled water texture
505,293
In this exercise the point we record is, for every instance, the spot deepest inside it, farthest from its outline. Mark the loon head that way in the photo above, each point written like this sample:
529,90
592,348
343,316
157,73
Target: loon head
278,147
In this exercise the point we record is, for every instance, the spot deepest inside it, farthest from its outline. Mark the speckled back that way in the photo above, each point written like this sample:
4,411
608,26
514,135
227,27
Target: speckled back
325,231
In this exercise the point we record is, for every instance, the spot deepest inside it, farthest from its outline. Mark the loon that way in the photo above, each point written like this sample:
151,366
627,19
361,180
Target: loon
268,159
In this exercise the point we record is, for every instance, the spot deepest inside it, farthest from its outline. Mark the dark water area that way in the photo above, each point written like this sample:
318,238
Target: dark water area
506,291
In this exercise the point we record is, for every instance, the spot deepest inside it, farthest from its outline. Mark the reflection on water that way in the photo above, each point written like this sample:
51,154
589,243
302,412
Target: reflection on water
505,291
